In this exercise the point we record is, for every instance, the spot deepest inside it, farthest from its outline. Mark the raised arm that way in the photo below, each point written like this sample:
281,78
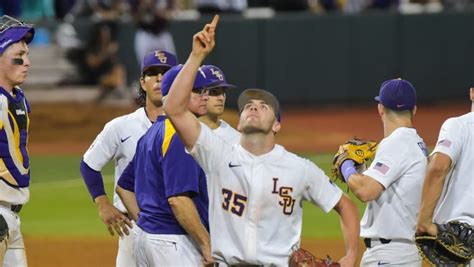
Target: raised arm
176,103
350,228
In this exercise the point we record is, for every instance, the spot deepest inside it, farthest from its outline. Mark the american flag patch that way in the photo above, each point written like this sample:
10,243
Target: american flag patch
381,167
445,143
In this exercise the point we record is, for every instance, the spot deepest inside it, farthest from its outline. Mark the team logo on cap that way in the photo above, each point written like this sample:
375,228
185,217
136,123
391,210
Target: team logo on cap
161,56
218,74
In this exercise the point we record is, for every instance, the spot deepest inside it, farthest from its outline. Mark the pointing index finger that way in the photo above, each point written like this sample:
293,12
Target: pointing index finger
214,22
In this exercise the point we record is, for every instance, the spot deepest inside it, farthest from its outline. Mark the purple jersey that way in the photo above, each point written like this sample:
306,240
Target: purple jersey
161,169
14,124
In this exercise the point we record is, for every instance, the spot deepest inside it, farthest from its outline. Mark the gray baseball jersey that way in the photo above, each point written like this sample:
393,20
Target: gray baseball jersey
399,165
456,140
255,210
118,141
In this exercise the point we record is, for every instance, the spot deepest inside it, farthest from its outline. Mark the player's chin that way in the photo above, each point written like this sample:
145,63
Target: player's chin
20,79
201,111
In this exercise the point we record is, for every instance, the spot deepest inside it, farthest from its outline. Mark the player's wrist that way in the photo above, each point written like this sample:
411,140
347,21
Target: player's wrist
348,169
101,200
197,57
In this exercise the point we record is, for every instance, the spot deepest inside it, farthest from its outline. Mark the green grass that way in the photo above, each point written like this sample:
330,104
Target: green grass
60,204
59,201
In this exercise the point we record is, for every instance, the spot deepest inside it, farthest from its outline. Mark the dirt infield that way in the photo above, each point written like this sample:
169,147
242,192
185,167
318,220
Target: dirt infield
70,128
81,251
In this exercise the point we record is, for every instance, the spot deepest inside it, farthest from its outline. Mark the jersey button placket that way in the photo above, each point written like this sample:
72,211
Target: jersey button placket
251,225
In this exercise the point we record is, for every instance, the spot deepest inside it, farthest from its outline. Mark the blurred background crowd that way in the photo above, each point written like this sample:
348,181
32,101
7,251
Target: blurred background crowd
92,58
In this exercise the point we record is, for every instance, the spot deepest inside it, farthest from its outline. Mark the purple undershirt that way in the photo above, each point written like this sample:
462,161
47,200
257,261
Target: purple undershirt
93,180
347,169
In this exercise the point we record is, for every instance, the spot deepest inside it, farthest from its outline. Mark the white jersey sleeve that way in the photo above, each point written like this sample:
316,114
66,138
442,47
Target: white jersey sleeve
206,143
320,189
450,139
387,166
103,148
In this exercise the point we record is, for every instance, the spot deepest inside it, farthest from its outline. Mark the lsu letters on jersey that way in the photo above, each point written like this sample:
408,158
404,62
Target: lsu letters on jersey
255,211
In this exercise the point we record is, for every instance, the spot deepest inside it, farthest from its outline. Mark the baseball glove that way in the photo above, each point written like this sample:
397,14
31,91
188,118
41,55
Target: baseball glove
358,150
452,247
304,258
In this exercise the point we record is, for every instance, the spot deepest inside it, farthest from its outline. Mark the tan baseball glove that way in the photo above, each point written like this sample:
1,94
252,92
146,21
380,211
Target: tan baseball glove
358,150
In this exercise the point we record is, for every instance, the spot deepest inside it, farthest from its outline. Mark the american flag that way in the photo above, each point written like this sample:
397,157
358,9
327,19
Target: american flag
381,167
445,143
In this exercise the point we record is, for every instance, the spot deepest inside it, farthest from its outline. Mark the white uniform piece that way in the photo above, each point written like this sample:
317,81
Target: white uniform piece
456,140
118,141
166,250
255,202
15,255
399,165
227,132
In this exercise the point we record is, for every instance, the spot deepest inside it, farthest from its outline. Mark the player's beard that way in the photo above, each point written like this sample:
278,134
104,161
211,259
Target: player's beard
256,129
157,102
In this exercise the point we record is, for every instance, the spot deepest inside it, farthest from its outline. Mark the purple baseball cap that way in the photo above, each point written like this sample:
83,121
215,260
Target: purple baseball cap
159,58
207,77
397,94
13,31
210,76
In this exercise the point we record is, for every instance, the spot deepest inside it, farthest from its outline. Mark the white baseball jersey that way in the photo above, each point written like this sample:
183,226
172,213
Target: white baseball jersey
255,202
456,140
118,141
399,165
227,132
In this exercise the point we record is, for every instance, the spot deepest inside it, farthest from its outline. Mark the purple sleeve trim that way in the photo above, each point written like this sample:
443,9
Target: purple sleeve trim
93,180
127,178
347,169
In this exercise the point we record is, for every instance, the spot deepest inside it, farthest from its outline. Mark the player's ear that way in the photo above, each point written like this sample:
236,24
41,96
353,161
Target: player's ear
413,111
380,109
142,81
276,127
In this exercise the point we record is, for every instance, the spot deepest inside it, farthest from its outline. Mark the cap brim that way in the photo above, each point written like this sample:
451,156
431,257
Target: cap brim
157,66
258,94
377,98
222,85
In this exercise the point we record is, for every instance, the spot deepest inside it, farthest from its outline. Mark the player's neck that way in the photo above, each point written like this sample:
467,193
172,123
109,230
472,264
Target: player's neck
6,85
211,121
153,111
258,143
390,126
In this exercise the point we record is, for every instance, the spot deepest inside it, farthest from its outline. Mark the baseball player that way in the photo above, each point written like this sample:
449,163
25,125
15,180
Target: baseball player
117,142
256,187
14,123
449,182
392,184
215,110
170,188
